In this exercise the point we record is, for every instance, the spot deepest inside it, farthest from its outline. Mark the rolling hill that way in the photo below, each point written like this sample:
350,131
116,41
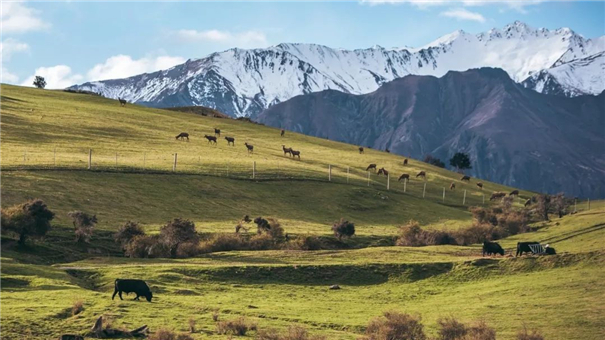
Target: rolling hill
45,142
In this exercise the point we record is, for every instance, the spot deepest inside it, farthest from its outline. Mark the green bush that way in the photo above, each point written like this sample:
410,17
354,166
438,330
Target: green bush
27,220
343,228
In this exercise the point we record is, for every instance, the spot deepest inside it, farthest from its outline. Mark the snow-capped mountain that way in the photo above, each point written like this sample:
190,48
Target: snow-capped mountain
245,82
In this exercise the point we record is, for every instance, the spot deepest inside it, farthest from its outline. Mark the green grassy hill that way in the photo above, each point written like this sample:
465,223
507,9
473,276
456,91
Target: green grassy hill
45,140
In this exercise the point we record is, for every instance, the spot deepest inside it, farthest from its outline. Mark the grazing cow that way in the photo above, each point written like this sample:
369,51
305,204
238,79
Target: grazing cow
405,161
371,166
452,186
211,139
122,101
404,176
421,174
490,248
480,185
465,178
249,147
217,132
527,203
497,195
230,140
128,286
523,247
387,150
282,133
549,250
383,171
182,136
286,150
514,193
295,153
361,149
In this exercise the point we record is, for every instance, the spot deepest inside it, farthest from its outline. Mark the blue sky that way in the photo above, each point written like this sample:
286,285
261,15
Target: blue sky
73,42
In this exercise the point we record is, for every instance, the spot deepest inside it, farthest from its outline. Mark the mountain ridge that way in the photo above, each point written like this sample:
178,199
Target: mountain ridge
243,82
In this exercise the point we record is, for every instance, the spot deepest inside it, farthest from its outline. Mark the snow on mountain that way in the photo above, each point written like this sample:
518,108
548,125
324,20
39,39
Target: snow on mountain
581,76
245,82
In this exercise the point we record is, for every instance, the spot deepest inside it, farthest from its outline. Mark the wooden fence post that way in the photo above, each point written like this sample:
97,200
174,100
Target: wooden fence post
174,165
388,182
424,190
89,159
329,173
405,184
253,169
368,178
347,175
464,198
55,157
443,194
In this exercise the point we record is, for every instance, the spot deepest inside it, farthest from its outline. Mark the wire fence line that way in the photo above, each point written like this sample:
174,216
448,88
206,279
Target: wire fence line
249,168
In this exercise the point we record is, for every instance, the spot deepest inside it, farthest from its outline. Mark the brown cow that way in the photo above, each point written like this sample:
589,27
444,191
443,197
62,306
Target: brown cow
480,185
217,132
295,153
230,140
286,150
514,193
405,161
404,176
465,178
421,174
361,149
452,186
211,139
182,136
371,166
497,195
249,147
282,133
383,171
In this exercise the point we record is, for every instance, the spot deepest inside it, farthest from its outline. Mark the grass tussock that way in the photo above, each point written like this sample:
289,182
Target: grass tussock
395,325
525,334
165,334
452,329
239,327
77,307
293,332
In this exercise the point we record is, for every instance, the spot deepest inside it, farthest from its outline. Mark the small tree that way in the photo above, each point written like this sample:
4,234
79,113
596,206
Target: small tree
127,233
40,82
176,232
461,161
83,225
560,204
29,219
543,206
434,161
343,228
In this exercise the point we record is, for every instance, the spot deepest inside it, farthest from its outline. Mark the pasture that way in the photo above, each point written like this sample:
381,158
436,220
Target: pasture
46,138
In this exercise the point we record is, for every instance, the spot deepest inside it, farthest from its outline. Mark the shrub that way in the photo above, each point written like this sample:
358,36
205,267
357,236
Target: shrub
481,331
127,233
187,249
269,226
395,325
477,233
176,232
343,228
293,333
222,242
484,215
451,329
526,335
29,219
413,235
262,242
237,326
146,246
513,222
434,161
77,307
305,243
83,224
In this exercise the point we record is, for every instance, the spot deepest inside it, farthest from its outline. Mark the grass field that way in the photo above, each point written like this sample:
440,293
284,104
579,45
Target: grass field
212,186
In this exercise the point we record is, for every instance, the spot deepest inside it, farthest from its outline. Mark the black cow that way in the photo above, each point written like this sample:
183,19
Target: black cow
490,248
523,247
128,286
549,251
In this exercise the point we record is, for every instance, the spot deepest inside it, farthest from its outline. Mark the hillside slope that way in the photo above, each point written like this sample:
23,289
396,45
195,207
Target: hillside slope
514,135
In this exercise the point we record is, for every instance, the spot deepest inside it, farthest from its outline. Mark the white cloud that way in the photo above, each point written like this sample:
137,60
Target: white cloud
17,18
244,39
463,14
57,77
10,46
122,66
7,77
518,5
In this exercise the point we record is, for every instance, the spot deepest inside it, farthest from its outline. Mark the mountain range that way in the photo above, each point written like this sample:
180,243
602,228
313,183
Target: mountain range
245,82
514,135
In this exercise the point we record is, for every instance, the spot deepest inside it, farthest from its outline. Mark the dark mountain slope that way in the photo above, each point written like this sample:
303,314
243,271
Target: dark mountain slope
514,135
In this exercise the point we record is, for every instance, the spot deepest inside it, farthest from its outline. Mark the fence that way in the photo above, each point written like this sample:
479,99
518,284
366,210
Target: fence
248,167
